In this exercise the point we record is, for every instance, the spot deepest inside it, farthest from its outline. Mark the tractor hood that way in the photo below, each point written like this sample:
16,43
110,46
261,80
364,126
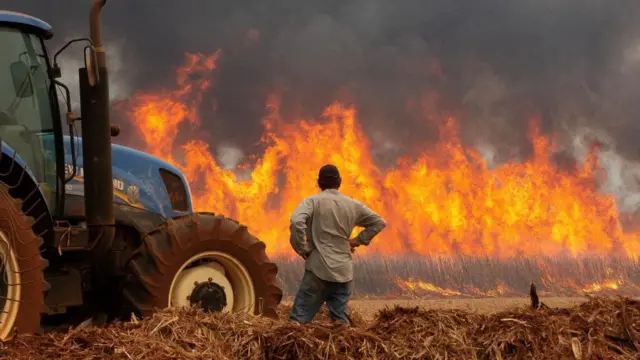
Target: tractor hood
139,180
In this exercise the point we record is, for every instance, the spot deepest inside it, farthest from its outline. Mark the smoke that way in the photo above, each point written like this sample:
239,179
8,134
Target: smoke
622,175
73,59
229,156
406,64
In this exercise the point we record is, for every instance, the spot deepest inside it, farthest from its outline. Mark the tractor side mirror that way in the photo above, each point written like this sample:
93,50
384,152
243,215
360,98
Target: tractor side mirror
90,63
21,79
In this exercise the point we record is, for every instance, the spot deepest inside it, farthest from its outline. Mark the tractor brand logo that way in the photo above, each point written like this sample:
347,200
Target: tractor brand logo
118,184
68,170
133,193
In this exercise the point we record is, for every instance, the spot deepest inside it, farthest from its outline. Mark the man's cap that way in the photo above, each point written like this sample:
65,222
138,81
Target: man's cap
328,172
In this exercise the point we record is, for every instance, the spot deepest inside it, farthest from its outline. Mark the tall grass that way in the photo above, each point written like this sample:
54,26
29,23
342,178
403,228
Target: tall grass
463,276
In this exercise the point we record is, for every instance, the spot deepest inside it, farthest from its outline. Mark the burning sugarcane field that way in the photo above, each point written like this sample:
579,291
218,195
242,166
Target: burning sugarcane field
175,198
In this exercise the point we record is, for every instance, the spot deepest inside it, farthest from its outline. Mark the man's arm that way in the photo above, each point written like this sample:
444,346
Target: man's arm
372,223
298,228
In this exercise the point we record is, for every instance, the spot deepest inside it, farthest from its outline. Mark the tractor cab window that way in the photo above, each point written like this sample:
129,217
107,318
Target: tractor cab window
26,118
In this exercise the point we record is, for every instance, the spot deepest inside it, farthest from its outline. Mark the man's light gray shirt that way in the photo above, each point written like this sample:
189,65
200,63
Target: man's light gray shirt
321,227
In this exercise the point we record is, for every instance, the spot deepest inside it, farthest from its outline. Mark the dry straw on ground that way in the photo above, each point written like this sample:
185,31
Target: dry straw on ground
598,329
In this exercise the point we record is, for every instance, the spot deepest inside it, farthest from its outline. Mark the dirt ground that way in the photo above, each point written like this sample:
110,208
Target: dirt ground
369,307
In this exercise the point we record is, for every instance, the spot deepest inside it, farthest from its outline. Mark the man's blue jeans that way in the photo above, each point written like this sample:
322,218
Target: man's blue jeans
314,292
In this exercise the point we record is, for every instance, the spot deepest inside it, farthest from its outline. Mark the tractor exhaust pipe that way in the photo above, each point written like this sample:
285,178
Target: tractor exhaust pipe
95,29
96,142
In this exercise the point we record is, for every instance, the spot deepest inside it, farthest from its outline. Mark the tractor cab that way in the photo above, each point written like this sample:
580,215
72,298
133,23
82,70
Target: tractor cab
144,252
29,111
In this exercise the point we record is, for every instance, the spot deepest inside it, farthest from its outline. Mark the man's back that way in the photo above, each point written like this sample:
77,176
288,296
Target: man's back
320,229
328,219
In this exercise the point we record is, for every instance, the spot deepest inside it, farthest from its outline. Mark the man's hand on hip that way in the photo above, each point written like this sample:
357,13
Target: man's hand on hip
353,244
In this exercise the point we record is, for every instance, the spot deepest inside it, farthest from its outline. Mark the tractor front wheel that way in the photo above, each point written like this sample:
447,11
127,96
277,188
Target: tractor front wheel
206,261
22,284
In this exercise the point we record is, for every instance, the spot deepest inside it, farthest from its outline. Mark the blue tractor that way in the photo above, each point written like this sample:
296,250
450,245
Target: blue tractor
90,229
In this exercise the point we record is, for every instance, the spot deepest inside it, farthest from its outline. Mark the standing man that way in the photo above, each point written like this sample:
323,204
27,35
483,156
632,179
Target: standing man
321,227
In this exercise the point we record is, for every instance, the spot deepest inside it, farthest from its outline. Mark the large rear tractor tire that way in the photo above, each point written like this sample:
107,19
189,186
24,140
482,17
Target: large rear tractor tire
22,283
202,260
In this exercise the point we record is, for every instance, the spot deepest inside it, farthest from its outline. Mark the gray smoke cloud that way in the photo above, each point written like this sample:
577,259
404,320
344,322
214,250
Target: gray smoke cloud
494,64
70,61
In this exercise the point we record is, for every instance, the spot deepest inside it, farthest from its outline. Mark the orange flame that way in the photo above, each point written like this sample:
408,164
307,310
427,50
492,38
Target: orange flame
415,286
604,285
444,201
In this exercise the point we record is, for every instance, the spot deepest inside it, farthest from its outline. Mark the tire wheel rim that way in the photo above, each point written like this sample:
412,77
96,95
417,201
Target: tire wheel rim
10,287
217,267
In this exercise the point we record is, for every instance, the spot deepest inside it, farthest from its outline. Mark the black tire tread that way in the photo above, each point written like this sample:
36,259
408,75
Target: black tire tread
164,249
28,248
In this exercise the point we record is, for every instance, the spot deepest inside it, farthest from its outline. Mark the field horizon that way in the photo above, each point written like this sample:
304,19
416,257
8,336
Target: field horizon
465,277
